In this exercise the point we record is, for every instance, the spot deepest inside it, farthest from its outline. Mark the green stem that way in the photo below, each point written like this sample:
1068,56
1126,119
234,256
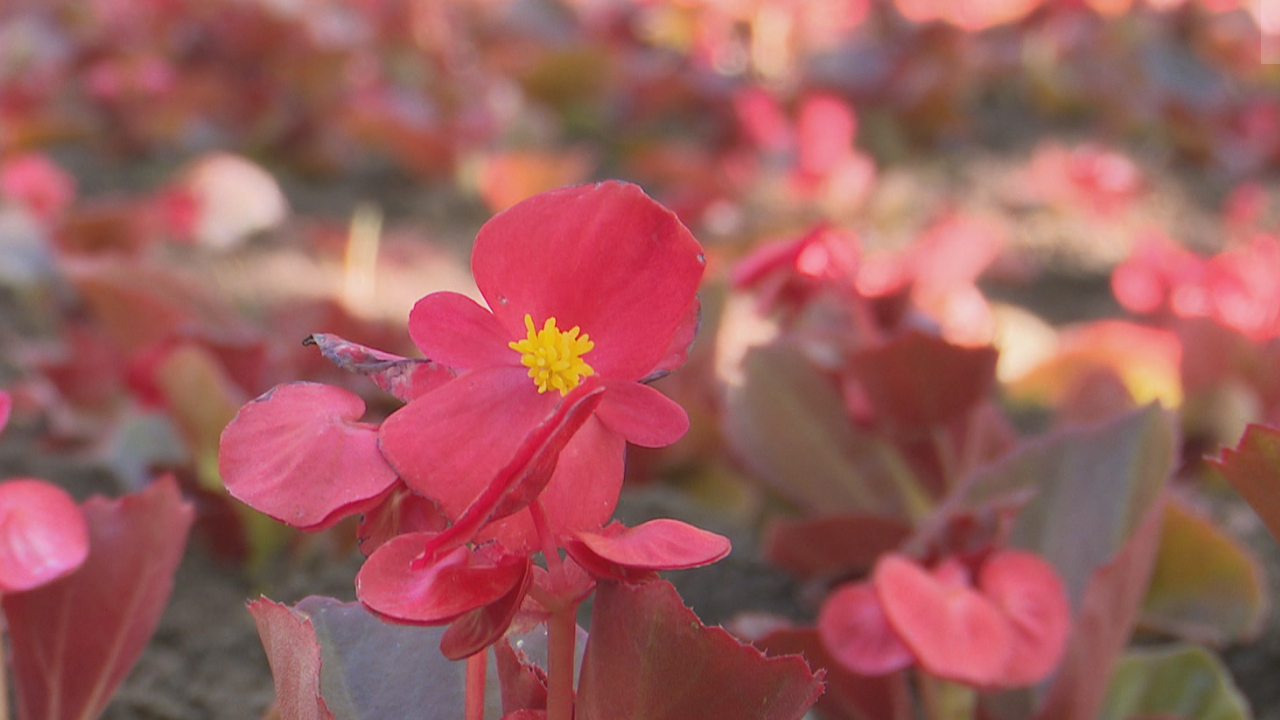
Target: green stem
945,699
562,633
477,668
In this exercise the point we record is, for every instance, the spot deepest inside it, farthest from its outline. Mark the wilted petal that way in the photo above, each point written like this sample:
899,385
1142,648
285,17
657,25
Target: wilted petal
642,415
299,454
455,330
603,257
43,534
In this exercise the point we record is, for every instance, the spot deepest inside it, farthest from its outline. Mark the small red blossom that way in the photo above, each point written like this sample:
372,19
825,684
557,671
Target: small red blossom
1005,628
584,282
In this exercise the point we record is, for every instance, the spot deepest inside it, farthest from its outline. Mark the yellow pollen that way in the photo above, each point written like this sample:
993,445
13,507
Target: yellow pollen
554,357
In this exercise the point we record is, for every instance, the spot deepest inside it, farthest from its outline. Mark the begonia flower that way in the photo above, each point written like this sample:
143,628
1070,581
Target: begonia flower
1007,627
593,281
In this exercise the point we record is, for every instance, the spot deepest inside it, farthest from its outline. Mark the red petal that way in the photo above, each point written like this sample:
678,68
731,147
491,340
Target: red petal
457,582
1031,594
451,444
484,626
856,632
678,352
298,454
581,495
401,511
642,415
655,545
43,534
603,257
526,474
954,632
455,330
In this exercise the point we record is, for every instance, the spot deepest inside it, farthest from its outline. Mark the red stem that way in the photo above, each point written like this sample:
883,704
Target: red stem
477,667
550,551
562,633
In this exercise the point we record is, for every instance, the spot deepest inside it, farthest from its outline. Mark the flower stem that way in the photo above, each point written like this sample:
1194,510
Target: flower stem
477,667
562,633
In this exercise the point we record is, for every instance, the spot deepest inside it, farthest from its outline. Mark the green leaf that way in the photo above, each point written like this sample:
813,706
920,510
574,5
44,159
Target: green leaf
1182,681
1205,586
787,422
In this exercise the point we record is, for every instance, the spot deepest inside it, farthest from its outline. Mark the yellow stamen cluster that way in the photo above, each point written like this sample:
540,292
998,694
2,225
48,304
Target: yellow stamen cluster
554,357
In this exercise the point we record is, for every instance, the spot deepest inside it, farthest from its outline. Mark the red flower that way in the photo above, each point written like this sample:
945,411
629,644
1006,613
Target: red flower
1005,628
584,282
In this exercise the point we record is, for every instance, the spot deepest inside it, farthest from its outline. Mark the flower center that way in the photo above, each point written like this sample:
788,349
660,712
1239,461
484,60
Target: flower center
554,357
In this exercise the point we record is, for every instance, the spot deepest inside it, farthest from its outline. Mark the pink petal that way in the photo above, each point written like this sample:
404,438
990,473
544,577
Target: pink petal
1031,594
451,444
456,583
603,257
581,495
642,415
298,454
43,534
954,632
854,629
655,545
454,330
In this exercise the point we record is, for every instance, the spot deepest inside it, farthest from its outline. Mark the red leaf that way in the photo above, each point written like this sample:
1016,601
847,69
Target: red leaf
43,535
523,684
855,631
1030,593
293,652
649,658
917,381
848,696
1253,469
661,544
110,606
954,632
299,454
835,545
